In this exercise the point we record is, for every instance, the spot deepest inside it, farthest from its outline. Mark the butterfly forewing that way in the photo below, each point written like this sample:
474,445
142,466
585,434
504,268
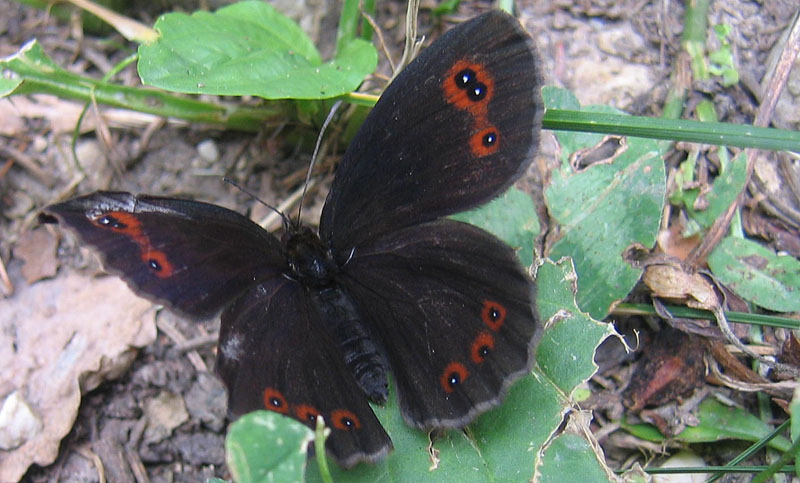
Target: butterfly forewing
453,130
194,257
275,353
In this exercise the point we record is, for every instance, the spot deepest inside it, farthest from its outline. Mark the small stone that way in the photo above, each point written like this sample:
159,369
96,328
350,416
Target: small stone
207,401
208,151
201,448
94,161
164,413
39,144
18,422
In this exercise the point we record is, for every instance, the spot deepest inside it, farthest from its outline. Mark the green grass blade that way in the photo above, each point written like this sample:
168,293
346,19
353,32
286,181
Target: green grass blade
678,130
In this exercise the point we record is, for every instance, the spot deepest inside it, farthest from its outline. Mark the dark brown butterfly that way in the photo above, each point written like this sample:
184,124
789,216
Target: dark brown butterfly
312,323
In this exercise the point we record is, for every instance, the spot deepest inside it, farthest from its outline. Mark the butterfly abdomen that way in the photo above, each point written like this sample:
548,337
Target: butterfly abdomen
361,353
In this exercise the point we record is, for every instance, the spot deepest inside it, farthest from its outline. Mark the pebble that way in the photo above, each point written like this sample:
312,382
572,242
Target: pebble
208,150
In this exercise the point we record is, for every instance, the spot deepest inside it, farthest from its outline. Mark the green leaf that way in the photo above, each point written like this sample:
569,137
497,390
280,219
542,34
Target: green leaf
352,19
595,207
510,437
722,61
447,7
30,64
248,48
267,446
645,431
571,458
565,354
794,411
756,274
511,217
718,422
8,85
706,112
723,192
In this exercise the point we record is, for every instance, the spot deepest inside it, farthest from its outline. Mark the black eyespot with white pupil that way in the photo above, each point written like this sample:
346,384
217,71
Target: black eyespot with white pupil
477,91
276,403
109,220
345,420
488,140
154,265
467,79
464,78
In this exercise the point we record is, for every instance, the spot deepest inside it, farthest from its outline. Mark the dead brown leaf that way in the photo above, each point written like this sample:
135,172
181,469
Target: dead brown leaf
673,243
671,281
59,338
790,352
782,236
37,249
61,115
671,367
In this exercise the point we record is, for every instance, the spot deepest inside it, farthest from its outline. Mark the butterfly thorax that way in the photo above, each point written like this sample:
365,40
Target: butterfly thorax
310,261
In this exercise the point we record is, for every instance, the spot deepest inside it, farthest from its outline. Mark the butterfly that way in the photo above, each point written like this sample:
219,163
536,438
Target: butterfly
313,323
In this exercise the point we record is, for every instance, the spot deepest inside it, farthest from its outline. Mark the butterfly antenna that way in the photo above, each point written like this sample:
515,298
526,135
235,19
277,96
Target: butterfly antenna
314,155
286,221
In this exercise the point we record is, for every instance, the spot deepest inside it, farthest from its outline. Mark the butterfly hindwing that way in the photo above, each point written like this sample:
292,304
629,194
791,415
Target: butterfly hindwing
454,310
452,131
194,257
275,353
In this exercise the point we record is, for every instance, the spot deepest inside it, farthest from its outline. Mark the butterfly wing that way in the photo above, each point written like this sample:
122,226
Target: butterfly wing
193,257
453,130
273,350
454,310
274,353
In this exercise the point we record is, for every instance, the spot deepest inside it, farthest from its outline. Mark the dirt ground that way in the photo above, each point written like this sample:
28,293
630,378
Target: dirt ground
163,417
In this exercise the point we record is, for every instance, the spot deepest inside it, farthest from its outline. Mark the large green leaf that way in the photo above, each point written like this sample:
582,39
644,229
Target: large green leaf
566,352
284,441
603,210
248,48
512,218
